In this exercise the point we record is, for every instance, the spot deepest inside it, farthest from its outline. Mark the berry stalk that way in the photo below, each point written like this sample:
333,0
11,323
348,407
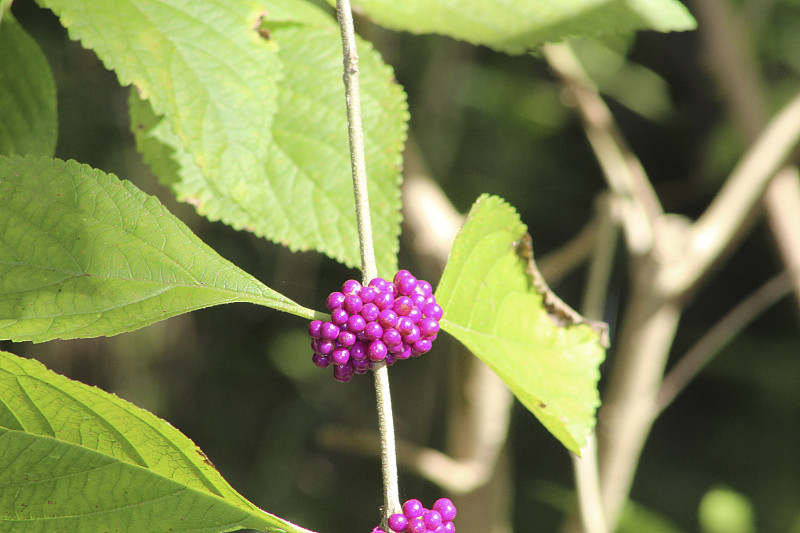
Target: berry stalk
369,269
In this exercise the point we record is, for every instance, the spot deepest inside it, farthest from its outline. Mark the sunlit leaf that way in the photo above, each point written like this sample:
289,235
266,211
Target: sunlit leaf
75,458
516,26
84,254
27,94
548,357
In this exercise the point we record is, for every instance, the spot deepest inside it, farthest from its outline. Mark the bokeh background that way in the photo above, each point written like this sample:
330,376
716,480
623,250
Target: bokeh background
238,380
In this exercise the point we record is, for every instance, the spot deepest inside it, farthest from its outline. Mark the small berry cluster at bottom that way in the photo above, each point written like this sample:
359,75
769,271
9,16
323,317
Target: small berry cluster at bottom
417,519
381,321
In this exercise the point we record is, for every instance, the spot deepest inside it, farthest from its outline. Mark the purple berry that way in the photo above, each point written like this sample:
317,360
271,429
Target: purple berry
335,301
416,525
373,331
396,348
404,325
353,304
412,336
424,288
433,310
398,522
343,373
320,360
420,347
339,356
377,351
329,330
370,312
391,337
368,294
406,285
446,508
387,318
448,527
402,305
356,324
432,519
314,328
377,530
347,339
413,508
389,360
428,327
405,354
351,287
418,300
360,366
380,284
339,316
415,315
400,275
384,300
358,351
323,346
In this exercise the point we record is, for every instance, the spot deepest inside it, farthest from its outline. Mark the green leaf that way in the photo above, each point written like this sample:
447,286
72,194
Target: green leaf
75,458
517,26
304,198
84,254
27,94
498,310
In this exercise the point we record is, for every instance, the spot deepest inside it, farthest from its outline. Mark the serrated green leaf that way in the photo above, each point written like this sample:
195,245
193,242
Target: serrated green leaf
517,26
84,254
493,307
75,458
304,197
27,94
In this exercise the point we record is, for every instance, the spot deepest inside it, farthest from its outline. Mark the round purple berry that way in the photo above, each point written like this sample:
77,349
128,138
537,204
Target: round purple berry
433,310
424,288
329,330
368,294
314,328
356,324
387,318
343,373
373,331
377,351
384,300
358,351
405,354
389,360
402,305
412,336
446,508
400,275
353,304
446,527
404,325
418,300
391,337
428,327
380,284
406,285
360,366
370,312
413,508
415,315
416,525
347,339
339,356
323,346
398,522
396,348
339,316
432,519
320,360
335,301
351,287
420,347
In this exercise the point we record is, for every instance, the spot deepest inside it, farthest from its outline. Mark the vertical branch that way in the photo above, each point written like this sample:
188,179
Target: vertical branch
369,270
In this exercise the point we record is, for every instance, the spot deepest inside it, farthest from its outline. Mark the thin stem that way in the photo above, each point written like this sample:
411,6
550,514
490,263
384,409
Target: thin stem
369,271
721,334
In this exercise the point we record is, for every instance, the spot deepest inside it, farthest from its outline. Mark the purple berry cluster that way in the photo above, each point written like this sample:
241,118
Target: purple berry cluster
382,321
416,519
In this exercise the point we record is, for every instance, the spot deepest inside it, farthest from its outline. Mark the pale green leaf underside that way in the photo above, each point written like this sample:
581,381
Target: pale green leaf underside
516,26
75,458
491,306
84,254
28,121
303,196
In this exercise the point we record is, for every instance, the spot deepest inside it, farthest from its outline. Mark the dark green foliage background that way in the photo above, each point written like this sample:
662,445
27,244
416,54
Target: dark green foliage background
237,380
